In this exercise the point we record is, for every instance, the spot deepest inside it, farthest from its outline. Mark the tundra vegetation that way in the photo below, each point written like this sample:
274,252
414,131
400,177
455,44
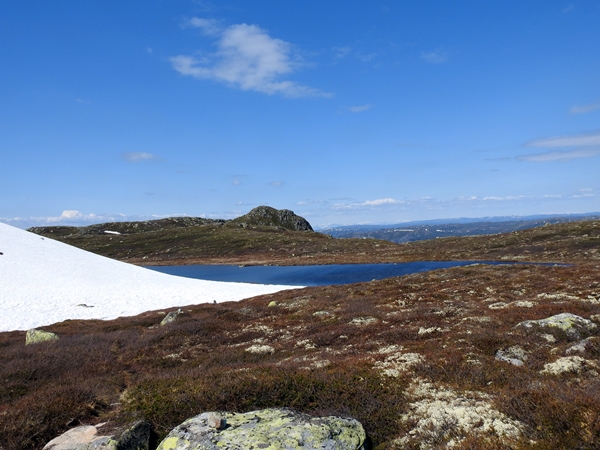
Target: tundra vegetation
423,361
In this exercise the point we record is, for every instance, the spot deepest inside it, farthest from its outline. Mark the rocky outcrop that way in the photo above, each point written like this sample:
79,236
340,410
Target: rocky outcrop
573,326
265,216
138,436
34,336
268,429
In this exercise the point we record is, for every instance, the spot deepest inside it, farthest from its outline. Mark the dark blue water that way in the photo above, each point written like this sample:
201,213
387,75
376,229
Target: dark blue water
322,275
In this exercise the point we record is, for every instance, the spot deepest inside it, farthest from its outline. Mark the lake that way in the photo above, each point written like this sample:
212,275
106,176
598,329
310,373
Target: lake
318,275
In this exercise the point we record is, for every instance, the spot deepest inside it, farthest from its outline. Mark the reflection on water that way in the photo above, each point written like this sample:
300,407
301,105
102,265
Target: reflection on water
320,275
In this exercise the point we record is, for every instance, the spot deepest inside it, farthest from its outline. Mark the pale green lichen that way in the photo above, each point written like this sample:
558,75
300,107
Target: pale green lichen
34,336
171,443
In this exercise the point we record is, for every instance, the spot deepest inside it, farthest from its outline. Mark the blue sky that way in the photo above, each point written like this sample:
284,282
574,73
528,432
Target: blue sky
344,111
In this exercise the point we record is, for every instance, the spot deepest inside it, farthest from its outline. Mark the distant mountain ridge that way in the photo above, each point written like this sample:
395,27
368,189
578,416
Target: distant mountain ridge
433,229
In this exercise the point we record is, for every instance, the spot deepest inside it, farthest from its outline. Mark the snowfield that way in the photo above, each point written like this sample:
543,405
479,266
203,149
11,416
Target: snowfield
43,281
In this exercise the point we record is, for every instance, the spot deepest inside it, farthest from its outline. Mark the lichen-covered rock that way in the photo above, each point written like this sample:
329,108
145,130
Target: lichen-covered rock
272,429
172,317
514,355
575,327
34,336
88,437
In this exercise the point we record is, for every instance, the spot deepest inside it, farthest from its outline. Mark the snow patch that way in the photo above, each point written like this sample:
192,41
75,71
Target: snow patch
43,281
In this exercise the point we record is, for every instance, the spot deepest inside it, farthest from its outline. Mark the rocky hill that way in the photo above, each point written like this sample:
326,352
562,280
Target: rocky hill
265,216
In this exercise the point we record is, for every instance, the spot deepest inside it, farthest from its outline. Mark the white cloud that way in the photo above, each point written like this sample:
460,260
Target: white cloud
435,57
586,192
69,214
137,156
209,27
382,201
492,198
559,155
236,182
277,183
578,140
585,108
246,58
360,108
576,147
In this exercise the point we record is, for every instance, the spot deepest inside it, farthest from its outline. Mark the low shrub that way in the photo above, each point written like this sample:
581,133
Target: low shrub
336,390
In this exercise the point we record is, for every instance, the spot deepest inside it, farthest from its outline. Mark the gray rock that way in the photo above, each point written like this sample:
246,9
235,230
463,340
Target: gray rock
135,437
34,336
172,317
575,327
267,429
514,355
580,347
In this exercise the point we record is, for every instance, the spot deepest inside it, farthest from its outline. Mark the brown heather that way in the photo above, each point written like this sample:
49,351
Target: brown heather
375,351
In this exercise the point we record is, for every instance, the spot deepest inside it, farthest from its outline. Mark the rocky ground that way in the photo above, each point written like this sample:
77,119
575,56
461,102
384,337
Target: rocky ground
445,359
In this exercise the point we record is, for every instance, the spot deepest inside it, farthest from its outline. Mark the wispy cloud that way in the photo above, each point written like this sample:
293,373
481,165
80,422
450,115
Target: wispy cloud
209,27
246,58
566,155
578,140
500,158
137,156
575,147
277,183
584,108
380,202
367,57
435,57
491,198
360,108
586,192
341,52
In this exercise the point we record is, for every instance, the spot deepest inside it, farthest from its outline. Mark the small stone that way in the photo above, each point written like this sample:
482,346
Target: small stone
215,421
271,304
514,355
